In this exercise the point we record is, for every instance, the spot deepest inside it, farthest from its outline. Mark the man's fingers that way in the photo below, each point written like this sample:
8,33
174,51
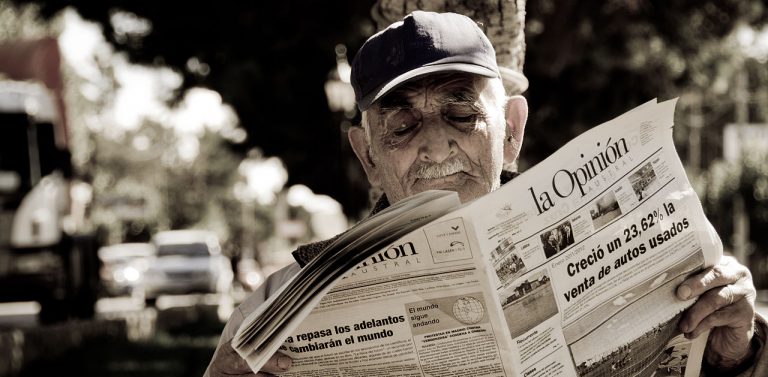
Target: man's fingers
226,362
722,306
719,275
278,363
232,362
730,316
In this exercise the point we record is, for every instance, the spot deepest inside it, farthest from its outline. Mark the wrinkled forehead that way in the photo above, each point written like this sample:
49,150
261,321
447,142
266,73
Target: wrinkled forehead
443,88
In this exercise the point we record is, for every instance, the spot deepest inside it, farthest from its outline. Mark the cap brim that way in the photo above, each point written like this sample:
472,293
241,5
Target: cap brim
368,100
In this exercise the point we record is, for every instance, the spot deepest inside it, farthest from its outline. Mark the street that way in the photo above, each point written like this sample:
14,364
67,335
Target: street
175,338
24,314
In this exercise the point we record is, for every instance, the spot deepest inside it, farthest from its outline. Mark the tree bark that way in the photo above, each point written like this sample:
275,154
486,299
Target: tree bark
501,20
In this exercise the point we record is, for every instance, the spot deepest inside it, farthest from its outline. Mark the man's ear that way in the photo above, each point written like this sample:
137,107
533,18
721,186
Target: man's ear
517,116
362,150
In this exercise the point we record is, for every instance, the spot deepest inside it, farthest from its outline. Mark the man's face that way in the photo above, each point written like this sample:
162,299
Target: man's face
441,132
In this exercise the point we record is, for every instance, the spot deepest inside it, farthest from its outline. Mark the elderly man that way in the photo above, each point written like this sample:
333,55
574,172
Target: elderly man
435,116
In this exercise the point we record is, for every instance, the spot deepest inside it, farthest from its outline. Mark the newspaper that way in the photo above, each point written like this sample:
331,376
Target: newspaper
568,270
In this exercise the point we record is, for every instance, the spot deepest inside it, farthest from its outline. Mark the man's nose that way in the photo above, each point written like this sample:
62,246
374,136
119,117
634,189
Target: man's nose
437,142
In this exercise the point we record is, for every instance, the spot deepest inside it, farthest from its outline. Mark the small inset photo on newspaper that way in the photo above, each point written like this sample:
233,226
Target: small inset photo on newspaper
445,313
604,210
643,181
529,303
675,357
629,334
557,239
507,261
635,358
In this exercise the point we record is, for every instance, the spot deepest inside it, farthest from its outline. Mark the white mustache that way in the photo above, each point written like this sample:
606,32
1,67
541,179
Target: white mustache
441,169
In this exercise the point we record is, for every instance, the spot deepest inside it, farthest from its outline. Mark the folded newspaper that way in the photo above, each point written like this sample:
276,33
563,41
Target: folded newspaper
568,270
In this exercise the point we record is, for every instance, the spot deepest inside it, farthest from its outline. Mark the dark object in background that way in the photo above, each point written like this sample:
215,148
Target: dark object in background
39,260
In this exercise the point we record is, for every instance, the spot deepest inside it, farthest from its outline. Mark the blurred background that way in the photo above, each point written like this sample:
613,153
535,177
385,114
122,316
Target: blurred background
158,159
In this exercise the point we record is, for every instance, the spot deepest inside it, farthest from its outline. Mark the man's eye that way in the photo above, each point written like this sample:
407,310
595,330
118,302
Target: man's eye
461,118
404,128
403,122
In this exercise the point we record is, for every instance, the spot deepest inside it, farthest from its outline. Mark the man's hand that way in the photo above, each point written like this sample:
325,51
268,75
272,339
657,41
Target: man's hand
726,305
227,362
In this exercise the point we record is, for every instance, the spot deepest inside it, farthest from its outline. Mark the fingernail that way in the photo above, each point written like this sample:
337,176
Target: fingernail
683,292
284,362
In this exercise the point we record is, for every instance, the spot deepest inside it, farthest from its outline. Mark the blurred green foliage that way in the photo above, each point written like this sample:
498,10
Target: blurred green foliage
268,59
21,21
589,61
748,178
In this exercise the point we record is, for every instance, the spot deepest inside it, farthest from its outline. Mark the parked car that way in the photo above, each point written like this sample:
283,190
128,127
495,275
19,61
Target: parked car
123,267
187,261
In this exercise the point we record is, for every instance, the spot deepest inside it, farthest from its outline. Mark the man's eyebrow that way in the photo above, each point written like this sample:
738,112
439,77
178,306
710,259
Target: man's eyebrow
460,96
393,102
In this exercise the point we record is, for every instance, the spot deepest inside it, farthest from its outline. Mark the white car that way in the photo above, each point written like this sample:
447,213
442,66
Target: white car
123,267
187,261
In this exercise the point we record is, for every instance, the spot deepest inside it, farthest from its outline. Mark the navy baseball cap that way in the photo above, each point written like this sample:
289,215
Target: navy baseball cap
422,43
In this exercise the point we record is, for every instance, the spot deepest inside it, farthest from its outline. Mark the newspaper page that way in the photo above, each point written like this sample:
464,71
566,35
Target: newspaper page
568,270
262,333
588,248
421,307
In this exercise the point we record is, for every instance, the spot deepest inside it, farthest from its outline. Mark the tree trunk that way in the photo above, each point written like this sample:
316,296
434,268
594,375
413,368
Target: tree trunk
501,20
